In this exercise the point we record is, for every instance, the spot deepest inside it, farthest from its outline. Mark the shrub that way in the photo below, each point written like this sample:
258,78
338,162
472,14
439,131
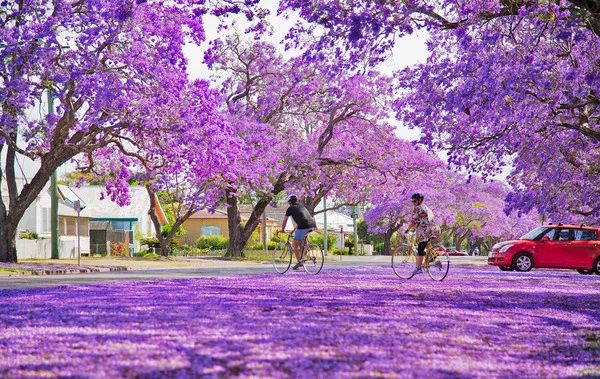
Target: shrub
378,247
119,249
318,239
27,235
212,242
153,242
271,245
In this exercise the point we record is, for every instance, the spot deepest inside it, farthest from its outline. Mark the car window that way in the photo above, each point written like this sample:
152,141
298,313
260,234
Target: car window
550,234
585,235
565,235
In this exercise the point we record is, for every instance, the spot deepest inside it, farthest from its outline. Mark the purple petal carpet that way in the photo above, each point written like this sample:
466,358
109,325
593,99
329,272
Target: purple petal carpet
360,322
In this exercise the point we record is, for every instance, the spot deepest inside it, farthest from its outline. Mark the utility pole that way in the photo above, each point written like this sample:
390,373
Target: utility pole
325,224
354,217
53,195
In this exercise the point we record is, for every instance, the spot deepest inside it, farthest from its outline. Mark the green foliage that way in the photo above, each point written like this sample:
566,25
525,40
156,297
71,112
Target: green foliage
378,247
337,251
166,229
153,242
317,238
271,245
27,235
212,242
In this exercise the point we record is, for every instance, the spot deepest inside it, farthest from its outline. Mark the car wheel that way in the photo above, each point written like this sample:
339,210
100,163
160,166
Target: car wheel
522,262
506,268
585,272
596,266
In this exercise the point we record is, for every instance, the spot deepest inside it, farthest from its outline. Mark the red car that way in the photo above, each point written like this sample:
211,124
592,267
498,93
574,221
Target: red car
551,246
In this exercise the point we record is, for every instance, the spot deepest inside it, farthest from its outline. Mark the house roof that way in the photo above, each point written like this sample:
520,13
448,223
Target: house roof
222,215
205,213
105,208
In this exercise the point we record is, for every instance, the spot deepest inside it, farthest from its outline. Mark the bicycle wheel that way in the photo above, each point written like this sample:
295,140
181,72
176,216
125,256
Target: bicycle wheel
313,259
403,262
438,266
282,257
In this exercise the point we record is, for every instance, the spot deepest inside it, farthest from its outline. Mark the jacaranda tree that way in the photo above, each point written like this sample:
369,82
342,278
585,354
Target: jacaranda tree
105,62
507,83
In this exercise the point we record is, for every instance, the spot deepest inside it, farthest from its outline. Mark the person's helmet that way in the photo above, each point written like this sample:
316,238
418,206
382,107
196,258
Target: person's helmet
416,196
292,199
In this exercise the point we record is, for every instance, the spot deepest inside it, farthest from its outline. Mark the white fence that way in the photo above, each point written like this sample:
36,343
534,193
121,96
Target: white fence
42,248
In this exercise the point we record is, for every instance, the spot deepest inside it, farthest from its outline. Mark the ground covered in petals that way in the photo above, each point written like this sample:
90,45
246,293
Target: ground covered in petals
360,322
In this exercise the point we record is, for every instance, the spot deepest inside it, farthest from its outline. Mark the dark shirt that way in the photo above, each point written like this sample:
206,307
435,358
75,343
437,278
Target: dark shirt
301,216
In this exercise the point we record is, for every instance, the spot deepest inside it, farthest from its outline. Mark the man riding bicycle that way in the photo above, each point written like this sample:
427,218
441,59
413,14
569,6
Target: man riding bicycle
425,228
305,224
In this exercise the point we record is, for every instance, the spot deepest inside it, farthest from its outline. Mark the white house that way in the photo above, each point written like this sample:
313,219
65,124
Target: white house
102,222
112,224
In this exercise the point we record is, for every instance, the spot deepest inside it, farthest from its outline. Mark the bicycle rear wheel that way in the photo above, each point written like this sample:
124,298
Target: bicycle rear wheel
439,266
403,262
282,257
313,259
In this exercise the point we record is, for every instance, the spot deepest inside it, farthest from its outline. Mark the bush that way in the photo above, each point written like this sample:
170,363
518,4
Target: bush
119,249
271,245
153,242
27,235
212,242
318,239
337,251
378,248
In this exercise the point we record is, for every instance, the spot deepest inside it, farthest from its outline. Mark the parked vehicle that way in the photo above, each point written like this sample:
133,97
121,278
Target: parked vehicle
551,246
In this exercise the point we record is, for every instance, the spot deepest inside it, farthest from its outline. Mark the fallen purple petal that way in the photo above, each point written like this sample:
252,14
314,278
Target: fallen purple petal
360,322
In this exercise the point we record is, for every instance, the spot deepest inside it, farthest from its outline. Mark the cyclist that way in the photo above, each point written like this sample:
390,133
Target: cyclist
305,224
426,229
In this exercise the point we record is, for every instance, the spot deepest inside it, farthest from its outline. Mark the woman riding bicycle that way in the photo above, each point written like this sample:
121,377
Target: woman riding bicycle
426,229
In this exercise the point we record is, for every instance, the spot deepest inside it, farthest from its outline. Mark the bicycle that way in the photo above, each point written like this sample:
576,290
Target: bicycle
312,256
436,263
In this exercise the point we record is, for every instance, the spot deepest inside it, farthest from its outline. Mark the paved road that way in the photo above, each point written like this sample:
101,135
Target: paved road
223,269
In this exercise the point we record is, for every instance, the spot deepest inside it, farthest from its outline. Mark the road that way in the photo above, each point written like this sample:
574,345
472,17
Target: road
223,269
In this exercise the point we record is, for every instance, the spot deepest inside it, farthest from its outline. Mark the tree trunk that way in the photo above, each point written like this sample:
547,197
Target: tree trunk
20,201
240,234
237,237
387,242
8,248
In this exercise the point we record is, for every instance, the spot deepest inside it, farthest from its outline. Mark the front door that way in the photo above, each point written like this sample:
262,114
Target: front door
550,252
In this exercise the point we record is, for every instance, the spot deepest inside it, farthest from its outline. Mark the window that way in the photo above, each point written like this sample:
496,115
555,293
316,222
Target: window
549,235
45,220
210,231
585,235
565,235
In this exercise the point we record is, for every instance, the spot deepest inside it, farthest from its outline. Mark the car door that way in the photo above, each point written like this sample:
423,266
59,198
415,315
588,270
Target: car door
562,248
544,254
585,249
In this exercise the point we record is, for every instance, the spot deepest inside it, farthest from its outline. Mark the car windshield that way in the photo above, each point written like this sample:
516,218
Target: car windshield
534,233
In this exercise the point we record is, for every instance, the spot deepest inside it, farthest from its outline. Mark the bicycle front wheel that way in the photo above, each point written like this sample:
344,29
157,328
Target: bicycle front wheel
282,257
403,262
313,259
439,266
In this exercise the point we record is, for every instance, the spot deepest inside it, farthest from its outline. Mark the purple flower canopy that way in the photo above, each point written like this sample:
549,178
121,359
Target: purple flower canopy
360,322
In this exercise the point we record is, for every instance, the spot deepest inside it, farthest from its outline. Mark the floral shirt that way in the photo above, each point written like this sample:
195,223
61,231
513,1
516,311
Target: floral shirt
422,218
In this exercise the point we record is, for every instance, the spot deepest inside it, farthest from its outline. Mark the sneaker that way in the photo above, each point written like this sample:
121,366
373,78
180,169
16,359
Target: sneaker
417,270
297,266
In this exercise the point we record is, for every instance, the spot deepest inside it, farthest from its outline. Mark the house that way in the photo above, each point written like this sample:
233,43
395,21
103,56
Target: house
116,229
208,223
